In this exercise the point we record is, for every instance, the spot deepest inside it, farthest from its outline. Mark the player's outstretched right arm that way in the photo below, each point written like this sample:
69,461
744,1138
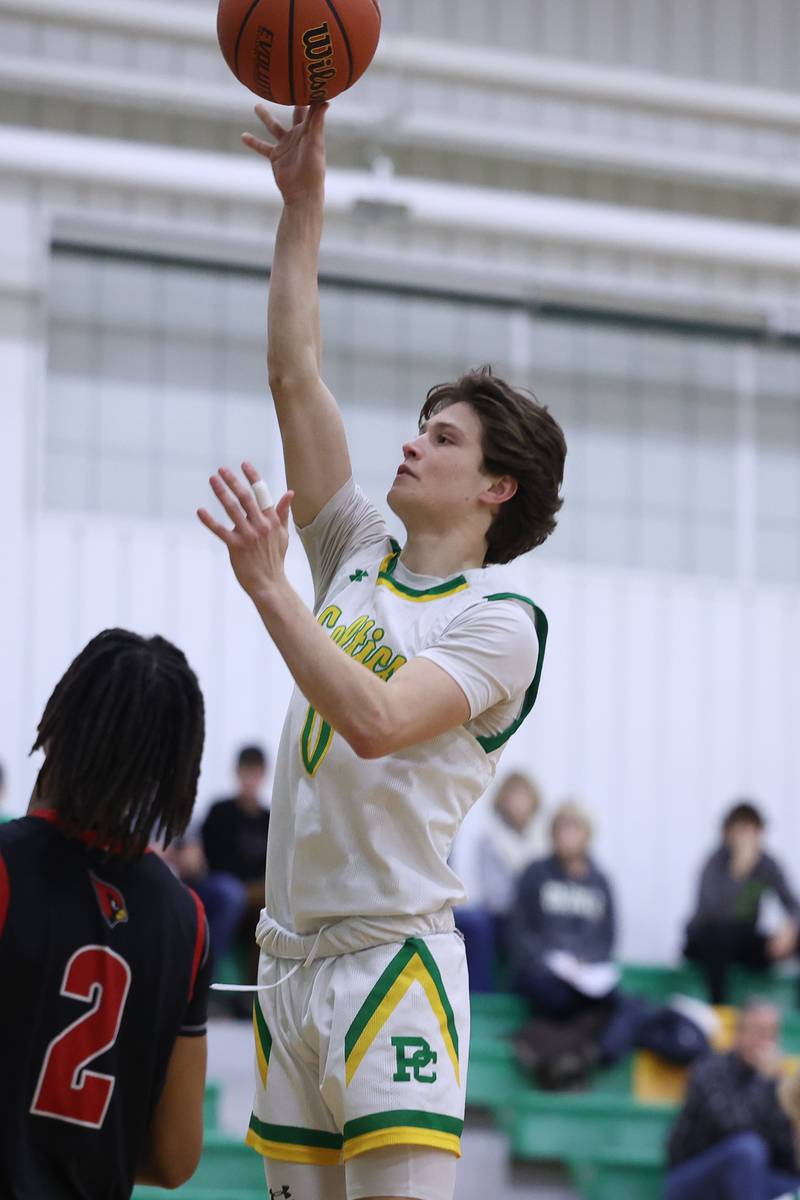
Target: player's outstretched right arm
314,443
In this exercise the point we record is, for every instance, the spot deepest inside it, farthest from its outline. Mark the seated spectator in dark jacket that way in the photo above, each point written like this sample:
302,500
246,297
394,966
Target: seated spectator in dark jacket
733,1139
234,841
511,839
562,929
727,926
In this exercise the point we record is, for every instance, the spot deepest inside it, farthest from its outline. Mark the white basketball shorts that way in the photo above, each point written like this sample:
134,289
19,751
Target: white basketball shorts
362,1050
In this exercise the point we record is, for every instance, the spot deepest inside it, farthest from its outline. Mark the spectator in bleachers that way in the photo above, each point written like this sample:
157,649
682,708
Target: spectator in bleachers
738,883
733,1139
512,838
234,843
562,929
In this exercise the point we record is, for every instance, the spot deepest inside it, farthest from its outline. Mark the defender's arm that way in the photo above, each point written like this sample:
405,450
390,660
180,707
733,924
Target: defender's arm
175,1137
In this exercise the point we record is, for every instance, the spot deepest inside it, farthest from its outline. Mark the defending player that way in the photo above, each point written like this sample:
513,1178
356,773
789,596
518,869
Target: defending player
102,950
418,667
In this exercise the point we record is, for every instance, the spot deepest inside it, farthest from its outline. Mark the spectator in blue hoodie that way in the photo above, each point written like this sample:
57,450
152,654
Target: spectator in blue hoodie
563,924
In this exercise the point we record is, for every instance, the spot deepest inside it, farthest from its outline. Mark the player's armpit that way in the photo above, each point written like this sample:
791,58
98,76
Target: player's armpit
175,1137
420,702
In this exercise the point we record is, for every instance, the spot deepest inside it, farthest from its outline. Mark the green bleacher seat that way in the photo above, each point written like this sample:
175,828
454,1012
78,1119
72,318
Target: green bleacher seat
609,1181
190,1191
590,1127
658,983
211,1107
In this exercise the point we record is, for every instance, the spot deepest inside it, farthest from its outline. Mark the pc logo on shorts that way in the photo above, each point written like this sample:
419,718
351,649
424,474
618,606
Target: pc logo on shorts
111,901
413,1063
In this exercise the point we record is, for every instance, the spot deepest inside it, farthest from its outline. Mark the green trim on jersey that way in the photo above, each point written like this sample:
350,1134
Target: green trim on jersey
415,1118
495,741
312,756
386,579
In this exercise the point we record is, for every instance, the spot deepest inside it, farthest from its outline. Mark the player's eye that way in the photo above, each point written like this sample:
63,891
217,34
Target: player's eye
443,439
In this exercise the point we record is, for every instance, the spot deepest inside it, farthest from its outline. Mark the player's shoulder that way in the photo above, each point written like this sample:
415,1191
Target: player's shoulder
22,832
504,612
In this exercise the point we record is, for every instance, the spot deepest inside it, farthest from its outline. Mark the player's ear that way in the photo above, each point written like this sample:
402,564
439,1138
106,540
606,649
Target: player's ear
501,490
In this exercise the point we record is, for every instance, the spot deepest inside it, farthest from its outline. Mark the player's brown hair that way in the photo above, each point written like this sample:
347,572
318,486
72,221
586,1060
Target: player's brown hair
123,735
519,438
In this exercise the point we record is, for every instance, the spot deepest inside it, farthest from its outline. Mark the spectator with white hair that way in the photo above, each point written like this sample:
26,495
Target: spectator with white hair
563,925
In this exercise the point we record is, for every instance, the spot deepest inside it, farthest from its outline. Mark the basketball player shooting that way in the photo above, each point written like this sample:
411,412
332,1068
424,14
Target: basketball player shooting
418,665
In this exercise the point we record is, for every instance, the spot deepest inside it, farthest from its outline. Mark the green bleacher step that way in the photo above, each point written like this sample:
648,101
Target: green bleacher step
190,1191
493,1073
211,1107
228,1164
590,1127
604,1181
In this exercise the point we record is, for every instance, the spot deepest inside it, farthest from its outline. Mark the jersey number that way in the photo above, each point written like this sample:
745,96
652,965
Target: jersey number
315,741
67,1090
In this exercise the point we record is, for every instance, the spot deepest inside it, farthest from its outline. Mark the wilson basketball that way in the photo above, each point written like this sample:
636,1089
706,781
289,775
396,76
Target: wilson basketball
298,51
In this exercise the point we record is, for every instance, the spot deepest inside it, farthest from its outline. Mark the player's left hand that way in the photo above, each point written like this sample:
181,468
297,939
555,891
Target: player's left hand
259,538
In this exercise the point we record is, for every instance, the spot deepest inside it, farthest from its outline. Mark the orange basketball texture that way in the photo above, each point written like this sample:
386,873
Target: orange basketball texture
298,51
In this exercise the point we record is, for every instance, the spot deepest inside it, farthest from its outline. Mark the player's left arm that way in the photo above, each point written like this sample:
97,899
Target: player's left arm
175,1138
375,717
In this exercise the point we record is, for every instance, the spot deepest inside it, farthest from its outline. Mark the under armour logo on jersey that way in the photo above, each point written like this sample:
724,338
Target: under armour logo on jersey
283,1194
111,901
358,575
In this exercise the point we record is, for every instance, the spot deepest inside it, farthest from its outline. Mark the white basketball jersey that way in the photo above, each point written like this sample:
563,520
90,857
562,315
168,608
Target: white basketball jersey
371,838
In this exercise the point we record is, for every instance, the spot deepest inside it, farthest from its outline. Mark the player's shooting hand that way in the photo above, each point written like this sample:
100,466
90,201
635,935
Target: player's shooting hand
298,153
258,540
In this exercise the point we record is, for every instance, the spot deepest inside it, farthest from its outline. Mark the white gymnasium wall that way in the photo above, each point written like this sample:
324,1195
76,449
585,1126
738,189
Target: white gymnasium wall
672,584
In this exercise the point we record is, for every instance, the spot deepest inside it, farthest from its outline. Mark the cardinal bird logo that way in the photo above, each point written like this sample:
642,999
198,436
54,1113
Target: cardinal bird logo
111,901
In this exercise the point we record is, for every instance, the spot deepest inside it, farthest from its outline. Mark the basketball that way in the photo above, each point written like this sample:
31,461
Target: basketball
298,51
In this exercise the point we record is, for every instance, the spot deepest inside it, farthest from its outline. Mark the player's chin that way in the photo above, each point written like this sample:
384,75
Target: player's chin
395,500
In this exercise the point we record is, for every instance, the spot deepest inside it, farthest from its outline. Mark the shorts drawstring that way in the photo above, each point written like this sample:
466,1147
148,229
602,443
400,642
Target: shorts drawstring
265,987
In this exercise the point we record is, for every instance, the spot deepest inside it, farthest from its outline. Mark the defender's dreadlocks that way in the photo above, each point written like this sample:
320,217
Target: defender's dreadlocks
123,733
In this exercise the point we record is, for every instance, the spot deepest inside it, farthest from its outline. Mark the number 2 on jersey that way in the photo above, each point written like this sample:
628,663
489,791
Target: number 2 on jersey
67,1090
315,741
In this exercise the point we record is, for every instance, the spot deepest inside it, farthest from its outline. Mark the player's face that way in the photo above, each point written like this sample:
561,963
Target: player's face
440,478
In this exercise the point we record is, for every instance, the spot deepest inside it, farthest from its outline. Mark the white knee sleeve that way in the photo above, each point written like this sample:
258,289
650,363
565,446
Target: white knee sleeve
415,1172
304,1181
409,1171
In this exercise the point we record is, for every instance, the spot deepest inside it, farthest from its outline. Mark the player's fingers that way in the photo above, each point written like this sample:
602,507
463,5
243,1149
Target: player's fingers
243,494
298,116
266,118
260,147
229,503
220,531
260,489
284,507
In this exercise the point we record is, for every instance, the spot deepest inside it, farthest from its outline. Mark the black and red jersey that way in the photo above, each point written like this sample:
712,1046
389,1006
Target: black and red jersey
102,965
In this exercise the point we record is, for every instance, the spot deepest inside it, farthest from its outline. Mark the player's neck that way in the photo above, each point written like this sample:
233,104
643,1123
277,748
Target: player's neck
431,552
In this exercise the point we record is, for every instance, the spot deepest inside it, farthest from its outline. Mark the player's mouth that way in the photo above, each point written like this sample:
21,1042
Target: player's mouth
404,470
